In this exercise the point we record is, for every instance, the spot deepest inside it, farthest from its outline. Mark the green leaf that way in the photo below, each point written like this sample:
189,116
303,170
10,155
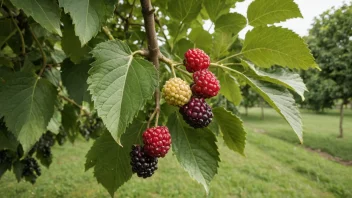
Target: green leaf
88,16
74,78
53,76
184,10
231,23
181,47
201,38
27,103
7,140
282,77
232,129
229,87
216,8
70,121
45,12
280,99
55,122
222,41
195,150
111,162
267,46
70,42
120,85
263,12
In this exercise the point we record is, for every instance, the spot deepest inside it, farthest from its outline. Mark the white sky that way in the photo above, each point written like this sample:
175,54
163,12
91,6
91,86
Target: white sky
309,10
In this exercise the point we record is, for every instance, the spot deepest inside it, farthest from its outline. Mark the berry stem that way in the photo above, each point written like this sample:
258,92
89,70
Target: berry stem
173,70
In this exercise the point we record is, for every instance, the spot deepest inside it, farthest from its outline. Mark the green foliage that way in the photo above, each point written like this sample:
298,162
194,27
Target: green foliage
230,88
279,76
58,73
195,150
263,12
45,12
329,40
231,23
27,104
120,85
232,129
115,173
268,46
88,16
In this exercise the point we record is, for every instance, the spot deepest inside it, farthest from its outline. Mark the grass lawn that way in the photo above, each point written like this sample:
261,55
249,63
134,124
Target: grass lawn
273,168
320,130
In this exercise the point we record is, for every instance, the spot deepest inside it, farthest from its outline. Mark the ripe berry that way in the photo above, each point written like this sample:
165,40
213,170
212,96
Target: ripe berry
205,84
197,113
176,92
141,163
195,60
157,141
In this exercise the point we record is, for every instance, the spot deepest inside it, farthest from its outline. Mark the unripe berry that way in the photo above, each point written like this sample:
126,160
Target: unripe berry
176,92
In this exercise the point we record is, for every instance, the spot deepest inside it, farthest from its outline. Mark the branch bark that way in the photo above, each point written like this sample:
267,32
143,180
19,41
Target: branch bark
153,47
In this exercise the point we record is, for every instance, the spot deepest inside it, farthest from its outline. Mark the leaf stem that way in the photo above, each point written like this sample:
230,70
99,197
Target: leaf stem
20,33
41,50
232,56
226,68
153,47
108,33
85,112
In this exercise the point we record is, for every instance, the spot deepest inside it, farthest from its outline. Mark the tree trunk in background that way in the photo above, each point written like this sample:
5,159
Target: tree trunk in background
341,119
246,111
262,109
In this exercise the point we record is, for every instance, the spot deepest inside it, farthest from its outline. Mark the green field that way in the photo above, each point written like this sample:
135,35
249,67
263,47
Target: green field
275,166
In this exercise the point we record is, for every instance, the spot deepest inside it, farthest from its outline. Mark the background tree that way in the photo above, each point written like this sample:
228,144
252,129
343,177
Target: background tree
331,44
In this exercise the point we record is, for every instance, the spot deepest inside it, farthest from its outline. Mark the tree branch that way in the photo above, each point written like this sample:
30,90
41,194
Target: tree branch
153,47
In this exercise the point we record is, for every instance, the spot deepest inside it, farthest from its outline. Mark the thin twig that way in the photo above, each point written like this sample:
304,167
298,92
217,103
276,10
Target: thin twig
20,33
75,104
108,33
153,47
41,50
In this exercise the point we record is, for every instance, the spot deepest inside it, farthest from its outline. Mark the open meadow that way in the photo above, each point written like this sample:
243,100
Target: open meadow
276,165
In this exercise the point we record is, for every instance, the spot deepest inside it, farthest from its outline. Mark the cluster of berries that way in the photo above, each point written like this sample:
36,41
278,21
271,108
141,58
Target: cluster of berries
31,170
144,159
90,128
191,99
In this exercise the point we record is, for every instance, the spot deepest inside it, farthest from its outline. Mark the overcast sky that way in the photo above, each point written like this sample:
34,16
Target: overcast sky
309,10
